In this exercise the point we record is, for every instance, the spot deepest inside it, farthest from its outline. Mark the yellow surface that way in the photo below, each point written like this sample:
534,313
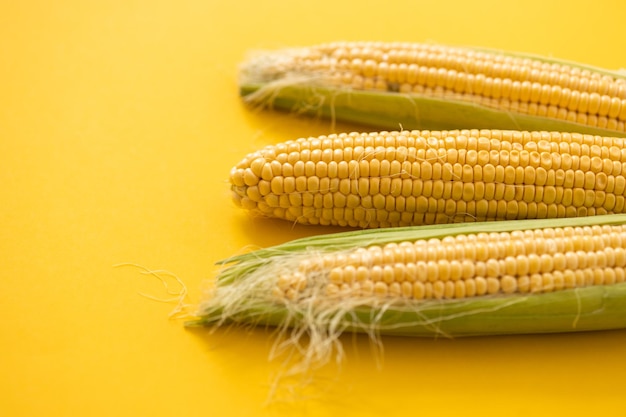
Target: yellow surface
119,122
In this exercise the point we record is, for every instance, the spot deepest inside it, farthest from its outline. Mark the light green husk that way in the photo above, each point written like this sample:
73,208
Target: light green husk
241,293
306,95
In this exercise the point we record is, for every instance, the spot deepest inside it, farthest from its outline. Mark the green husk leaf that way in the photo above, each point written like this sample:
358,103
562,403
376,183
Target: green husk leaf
575,310
396,110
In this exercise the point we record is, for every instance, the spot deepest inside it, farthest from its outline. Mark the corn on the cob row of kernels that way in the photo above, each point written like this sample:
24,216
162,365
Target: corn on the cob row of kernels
543,89
386,179
463,266
481,278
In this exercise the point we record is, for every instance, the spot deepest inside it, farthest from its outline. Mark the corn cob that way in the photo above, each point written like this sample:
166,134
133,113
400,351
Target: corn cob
513,277
392,179
425,86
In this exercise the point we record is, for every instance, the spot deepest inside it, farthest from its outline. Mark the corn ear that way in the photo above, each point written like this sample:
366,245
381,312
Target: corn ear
294,285
391,179
424,86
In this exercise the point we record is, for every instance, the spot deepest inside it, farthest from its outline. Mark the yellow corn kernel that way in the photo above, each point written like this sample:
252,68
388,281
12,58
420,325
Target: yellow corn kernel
544,267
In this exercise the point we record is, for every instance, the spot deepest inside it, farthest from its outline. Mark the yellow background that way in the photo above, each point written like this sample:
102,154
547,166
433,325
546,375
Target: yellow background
119,122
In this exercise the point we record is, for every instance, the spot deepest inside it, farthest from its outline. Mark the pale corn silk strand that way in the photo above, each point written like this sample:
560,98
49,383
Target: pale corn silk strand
183,308
506,89
431,281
